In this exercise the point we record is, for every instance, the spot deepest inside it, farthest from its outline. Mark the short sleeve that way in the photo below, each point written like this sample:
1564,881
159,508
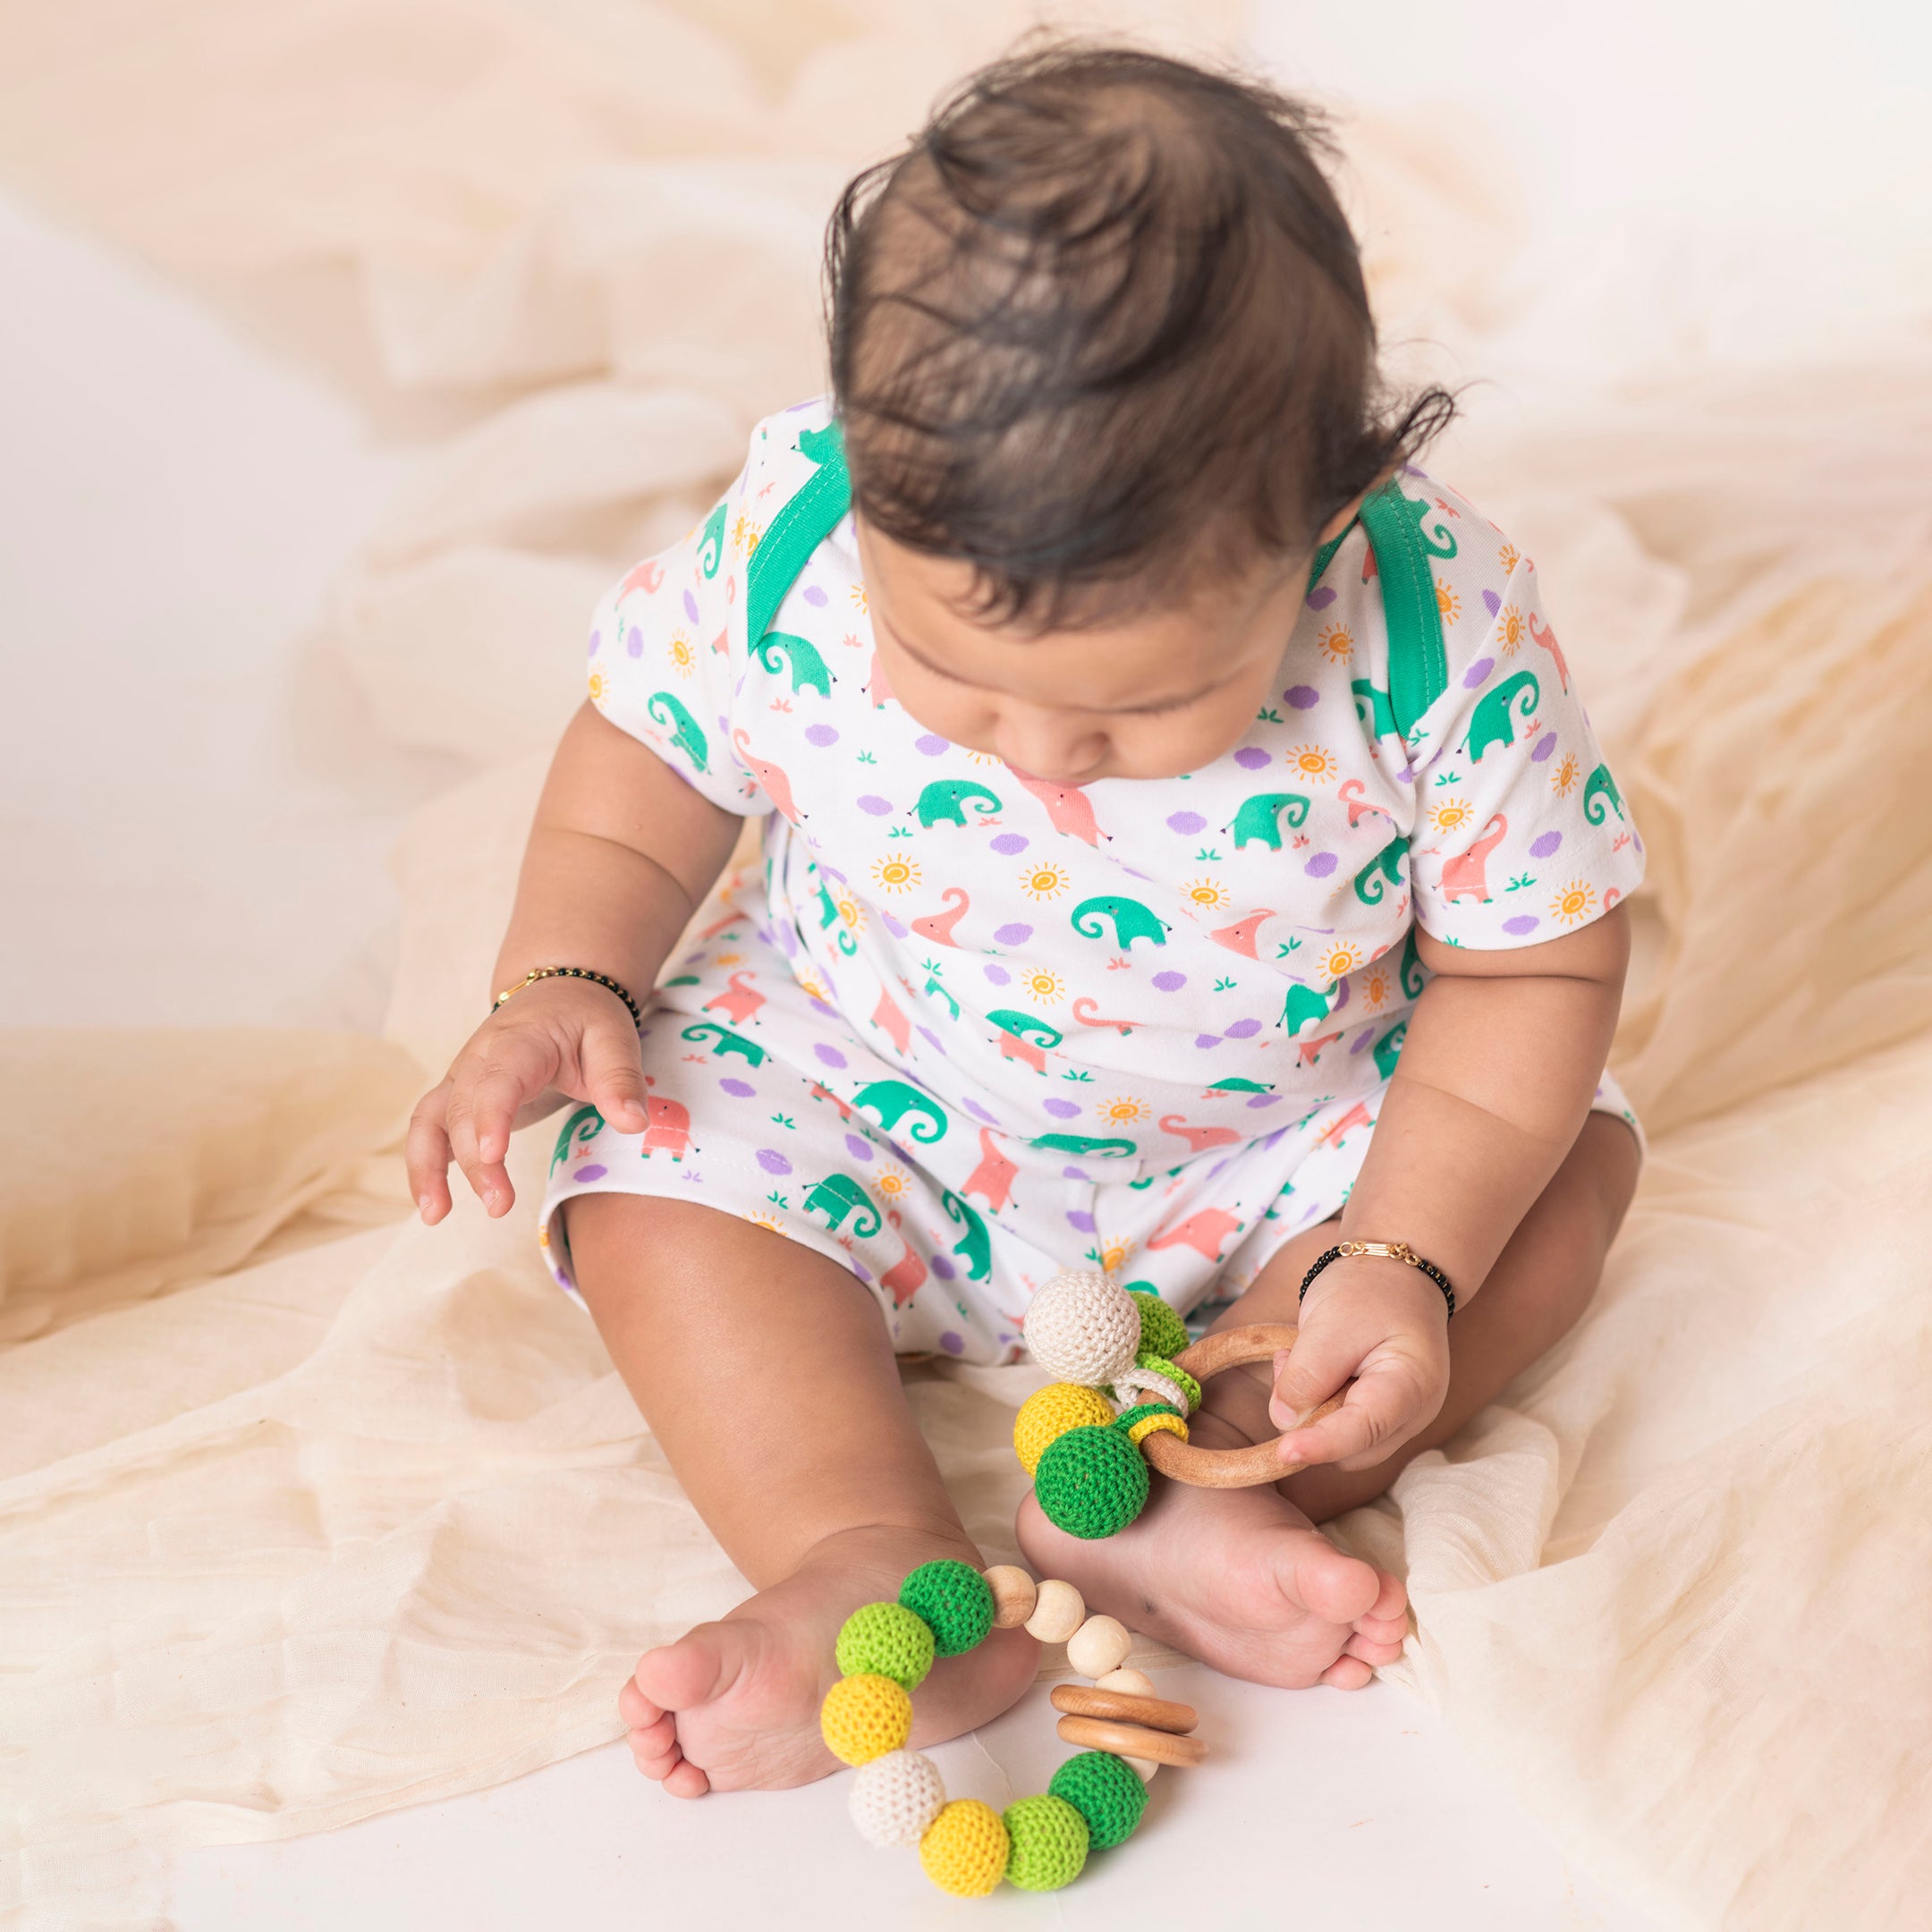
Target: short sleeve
1521,833
665,650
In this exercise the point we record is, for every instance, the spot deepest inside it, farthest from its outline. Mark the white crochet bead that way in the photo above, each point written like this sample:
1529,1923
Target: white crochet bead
894,1797
1083,1328
1144,1384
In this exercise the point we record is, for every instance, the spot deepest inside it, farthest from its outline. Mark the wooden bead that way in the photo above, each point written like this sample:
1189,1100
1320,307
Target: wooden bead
1058,1613
1132,1741
1145,1767
1134,1683
1013,1596
1157,1713
1099,1645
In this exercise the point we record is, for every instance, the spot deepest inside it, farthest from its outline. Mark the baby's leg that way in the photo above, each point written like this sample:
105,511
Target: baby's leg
1242,1577
764,1371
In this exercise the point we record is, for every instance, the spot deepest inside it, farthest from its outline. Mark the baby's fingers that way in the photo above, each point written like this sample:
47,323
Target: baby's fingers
428,1155
481,1112
613,1070
1378,1411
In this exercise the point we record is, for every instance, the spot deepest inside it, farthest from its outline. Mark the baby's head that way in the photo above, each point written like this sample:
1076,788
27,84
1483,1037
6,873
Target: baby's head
1106,365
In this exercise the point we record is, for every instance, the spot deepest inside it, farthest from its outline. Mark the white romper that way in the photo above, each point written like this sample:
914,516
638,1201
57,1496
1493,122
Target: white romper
965,1026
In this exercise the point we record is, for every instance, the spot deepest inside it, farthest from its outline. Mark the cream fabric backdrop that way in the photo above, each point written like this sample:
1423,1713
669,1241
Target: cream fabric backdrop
306,1512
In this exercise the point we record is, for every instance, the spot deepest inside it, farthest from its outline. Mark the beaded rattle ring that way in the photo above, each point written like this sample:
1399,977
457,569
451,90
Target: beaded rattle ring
1093,1801
1089,1455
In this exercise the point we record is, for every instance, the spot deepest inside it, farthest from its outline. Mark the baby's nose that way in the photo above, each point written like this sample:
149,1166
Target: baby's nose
1060,757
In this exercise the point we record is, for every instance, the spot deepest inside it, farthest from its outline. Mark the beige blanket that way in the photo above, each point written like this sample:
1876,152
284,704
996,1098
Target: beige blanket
307,1512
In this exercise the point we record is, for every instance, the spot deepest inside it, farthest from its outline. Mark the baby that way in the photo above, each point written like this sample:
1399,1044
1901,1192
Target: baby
1185,850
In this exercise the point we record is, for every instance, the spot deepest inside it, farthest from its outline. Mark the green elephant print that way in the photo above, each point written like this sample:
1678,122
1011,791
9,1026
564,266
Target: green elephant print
1413,974
892,1099
723,1042
1440,541
1388,1048
1303,1006
711,550
1258,817
1386,864
582,1127
828,917
1131,921
684,731
810,670
1599,789
1372,707
839,1195
1241,1083
944,800
822,446
1074,1143
1489,721
976,1247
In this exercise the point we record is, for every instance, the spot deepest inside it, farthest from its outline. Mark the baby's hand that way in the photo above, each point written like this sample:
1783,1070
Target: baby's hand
1386,1325
569,1035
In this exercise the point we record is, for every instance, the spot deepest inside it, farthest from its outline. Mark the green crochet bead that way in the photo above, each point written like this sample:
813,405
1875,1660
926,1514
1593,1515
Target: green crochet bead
1161,1329
1091,1482
955,1602
1047,1843
886,1639
1180,1377
1106,1792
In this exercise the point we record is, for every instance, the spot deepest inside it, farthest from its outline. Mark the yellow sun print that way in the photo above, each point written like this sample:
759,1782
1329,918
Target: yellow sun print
859,598
1507,557
1124,1111
1375,989
745,534
600,686
1312,763
893,1181
1565,777
1336,644
1451,814
1512,629
896,874
684,654
1342,960
1045,881
1576,900
1043,988
1209,894
1116,1255
1448,603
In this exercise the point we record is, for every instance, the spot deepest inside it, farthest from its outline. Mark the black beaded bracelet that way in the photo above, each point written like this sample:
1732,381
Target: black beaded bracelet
572,972
1395,1251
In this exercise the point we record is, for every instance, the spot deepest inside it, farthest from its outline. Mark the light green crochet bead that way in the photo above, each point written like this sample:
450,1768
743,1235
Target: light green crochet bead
1049,1844
1180,1377
1161,1329
886,1639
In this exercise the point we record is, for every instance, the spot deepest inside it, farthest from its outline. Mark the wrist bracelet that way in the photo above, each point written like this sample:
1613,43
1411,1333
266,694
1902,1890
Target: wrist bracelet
1395,1251
570,972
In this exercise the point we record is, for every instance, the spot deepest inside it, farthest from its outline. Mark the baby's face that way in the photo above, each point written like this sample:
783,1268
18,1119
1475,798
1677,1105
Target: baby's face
1149,697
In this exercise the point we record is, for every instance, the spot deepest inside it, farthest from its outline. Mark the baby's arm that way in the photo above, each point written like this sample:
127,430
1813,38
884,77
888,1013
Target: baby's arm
1497,1075
621,854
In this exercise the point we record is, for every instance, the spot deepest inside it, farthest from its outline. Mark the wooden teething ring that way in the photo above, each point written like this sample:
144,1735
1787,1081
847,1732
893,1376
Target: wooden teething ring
1228,1468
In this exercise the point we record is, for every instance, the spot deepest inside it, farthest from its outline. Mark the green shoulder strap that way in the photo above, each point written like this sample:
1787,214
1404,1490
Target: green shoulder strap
798,530
1419,666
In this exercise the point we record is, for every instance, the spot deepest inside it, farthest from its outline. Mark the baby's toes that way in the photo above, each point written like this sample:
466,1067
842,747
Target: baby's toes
655,1747
1347,1673
1371,1652
685,1780
1391,1605
1392,1630
635,1708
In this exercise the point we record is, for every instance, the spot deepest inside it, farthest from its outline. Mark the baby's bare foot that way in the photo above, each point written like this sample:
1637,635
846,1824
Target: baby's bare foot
1238,1578
733,1705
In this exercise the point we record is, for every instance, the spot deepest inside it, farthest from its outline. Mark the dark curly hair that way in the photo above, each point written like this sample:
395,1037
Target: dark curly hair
1101,327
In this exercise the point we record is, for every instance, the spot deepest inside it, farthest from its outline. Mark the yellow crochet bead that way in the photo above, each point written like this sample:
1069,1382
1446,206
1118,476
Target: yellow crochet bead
1173,1424
864,1717
964,1849
1048,1413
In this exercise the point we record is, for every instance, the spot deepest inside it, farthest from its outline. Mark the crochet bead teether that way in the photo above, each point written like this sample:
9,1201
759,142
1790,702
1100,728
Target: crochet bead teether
1088,1451
898,1798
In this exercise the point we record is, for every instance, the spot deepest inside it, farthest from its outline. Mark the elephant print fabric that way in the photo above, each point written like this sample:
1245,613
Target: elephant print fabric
966,1026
